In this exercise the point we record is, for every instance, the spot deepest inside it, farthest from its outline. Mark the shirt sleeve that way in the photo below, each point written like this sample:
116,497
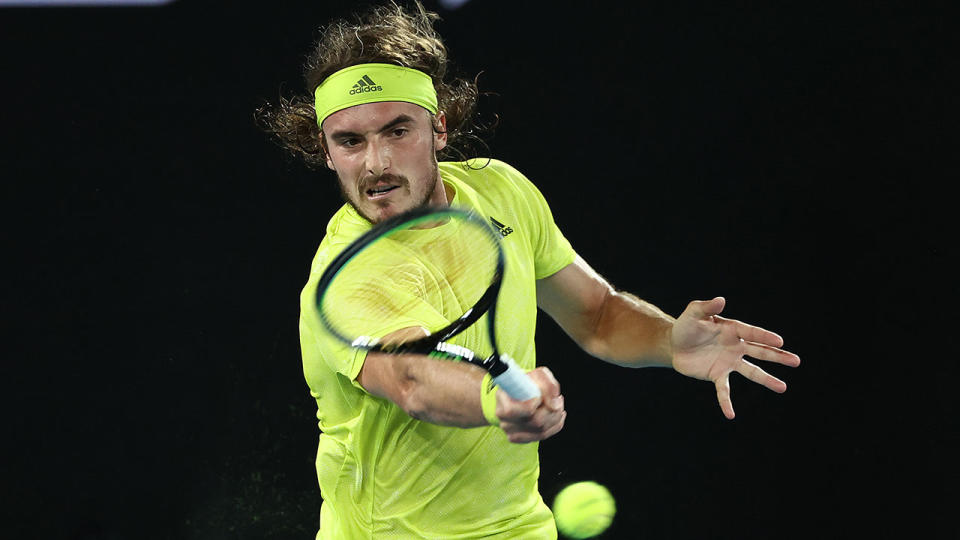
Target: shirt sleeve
551,249
391,300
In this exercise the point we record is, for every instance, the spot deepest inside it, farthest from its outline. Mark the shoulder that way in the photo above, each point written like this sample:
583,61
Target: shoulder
483,167
491,177
343,227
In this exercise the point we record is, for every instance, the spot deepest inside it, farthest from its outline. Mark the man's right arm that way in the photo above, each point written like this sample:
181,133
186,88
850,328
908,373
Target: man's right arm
436,391
448,393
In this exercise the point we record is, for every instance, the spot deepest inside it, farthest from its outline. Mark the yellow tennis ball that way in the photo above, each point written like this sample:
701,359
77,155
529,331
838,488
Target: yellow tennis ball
583,509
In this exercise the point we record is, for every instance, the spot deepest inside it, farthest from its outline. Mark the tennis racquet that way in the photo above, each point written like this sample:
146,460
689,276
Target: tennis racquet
436,269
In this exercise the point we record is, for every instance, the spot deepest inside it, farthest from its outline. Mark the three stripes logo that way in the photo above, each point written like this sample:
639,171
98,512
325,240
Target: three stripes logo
504,230
365,84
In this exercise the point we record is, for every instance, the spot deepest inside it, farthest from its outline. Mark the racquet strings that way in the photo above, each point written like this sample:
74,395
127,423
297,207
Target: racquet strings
426,272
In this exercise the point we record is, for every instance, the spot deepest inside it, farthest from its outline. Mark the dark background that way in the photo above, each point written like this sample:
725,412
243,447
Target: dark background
791,157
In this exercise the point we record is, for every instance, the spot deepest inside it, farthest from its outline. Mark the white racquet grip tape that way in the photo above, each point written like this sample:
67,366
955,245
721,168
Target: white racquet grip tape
515,381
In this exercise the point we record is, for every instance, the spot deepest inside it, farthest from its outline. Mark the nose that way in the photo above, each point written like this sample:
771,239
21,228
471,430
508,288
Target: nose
377,158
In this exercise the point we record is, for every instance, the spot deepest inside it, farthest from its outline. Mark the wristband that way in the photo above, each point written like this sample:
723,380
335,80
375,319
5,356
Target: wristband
488,400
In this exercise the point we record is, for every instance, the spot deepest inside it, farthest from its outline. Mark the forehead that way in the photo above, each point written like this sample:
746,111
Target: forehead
372,116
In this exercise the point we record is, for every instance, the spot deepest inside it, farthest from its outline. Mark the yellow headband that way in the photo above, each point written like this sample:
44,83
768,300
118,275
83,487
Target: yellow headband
371,83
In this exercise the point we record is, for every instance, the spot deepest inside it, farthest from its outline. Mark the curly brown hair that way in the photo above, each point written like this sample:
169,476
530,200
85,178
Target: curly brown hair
387,34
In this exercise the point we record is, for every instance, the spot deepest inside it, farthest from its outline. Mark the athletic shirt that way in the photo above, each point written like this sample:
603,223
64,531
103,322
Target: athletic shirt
383,474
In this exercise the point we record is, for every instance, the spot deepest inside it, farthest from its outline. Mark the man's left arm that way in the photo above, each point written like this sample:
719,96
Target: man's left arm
622,329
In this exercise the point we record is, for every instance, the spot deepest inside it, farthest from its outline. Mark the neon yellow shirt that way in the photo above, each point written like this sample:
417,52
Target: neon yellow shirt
383,474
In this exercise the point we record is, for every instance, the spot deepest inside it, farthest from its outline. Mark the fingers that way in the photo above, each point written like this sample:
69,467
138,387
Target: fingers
761,377
770,354
748,332
534,419
702,309
723,397
726,347
760,343
711,308
539,427
751,372
543,377
755,374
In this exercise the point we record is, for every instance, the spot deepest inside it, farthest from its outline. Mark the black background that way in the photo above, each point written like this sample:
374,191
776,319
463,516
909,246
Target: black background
793,158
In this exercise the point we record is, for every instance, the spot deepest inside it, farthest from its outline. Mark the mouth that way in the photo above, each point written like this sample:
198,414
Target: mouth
380,191
382,187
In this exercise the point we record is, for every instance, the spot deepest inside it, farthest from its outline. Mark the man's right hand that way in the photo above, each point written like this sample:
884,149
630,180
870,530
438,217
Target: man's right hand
534,419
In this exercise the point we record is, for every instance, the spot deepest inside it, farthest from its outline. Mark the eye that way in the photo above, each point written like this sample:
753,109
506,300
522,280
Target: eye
400,132
349,142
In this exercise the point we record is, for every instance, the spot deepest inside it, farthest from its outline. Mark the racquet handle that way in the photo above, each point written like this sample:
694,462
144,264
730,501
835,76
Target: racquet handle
515,382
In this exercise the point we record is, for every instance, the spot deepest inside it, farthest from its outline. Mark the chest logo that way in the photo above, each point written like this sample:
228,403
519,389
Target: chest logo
504,230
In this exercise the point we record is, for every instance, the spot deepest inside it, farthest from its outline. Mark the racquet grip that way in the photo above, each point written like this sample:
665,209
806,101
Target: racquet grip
515,382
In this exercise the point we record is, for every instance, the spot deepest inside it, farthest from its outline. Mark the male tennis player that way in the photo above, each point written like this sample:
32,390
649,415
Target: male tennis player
411,446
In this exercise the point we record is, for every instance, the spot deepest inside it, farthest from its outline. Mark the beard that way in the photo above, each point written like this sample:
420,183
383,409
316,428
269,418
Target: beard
416,200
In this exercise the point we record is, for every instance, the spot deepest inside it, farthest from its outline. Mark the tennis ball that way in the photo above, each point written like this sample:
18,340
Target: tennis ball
583,509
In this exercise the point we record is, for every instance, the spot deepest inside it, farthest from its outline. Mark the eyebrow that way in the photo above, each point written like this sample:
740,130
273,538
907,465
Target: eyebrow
400,119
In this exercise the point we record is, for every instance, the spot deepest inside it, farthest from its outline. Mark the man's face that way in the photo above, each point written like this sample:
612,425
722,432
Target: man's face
384,155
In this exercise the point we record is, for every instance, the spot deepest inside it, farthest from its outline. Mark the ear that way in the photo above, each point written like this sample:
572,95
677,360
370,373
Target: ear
326,152
440,131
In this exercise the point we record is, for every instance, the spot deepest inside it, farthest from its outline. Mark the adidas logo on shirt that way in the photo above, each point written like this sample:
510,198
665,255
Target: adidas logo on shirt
504,230
365,84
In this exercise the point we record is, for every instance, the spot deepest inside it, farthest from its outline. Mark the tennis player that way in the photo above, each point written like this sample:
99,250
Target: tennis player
411,446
